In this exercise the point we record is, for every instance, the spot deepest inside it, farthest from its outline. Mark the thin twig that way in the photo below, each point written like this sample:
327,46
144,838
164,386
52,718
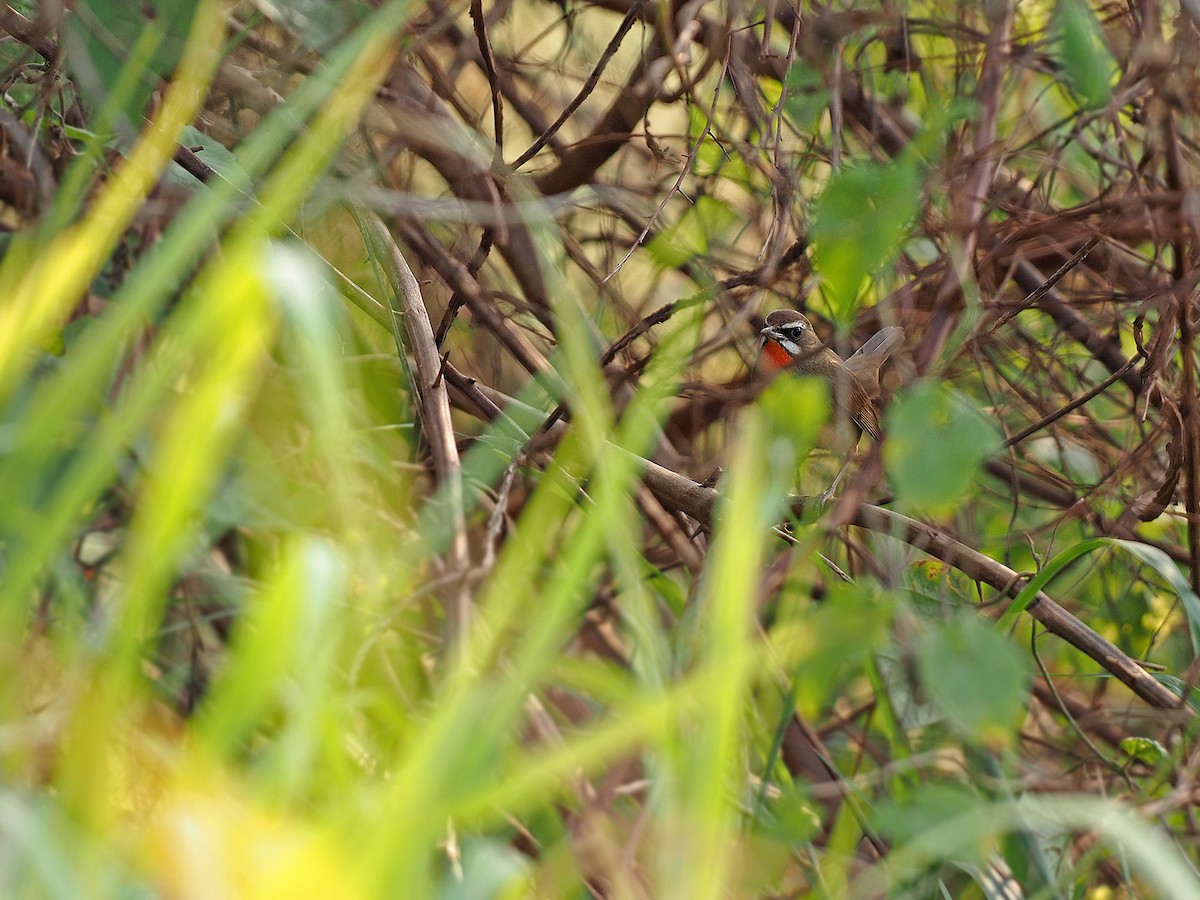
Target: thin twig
1074,404
588,86
1043,289
489,68
683,172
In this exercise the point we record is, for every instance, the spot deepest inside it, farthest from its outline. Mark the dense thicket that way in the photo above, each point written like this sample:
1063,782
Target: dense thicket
392,486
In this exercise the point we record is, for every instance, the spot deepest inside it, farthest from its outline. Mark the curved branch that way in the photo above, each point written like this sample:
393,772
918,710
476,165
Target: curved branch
697,501
411,319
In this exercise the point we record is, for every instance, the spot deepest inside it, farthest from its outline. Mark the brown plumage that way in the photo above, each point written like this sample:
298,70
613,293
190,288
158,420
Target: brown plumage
788,341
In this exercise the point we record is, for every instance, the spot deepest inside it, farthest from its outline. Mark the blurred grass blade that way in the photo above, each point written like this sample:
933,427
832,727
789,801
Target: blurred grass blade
40,298
85,374
709,751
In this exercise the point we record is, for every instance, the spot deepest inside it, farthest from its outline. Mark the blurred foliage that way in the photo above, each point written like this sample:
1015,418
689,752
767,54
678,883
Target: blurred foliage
266,631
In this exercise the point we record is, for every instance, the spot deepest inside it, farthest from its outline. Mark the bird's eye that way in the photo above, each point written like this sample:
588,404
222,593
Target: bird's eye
796,328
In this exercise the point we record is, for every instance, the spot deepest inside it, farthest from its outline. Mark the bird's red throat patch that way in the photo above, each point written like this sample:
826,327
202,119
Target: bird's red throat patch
777,356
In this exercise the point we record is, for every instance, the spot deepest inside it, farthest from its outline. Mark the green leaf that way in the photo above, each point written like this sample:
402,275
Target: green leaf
1179,686
1074,460
935,803
852,623
1169,572
795,409
1084,55
1151,556
213,154
937,442
1144,750
976,677
1044,576
807,96
859,224
706,219
118,51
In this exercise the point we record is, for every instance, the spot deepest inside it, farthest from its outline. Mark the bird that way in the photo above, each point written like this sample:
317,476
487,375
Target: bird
787,341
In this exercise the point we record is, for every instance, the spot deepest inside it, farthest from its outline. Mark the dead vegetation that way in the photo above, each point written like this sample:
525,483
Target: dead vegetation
638,164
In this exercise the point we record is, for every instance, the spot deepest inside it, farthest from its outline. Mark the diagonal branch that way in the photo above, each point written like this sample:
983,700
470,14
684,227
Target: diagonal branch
411,321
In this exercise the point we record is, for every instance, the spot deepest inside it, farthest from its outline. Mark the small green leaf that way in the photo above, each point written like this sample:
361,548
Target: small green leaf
1084,55
213,154
1144,750
976,677
796,408
807,96
937,441
859,224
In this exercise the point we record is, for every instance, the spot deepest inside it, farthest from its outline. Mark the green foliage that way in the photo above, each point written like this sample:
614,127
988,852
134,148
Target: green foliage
228,563
859,223
1151,556
116,51
937,441
794,411
1144,750
807,97
704,223
1084,54
976,679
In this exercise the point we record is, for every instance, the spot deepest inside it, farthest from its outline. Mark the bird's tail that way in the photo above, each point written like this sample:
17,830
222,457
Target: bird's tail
870,356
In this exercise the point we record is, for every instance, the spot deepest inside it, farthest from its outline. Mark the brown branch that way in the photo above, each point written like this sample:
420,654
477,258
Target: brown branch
579,163
489,68
1107,352
458,276
698,502
28,33
426,126
411,318
31,36
1074,404
1189,406
968,200
458,299
588,86
1048,285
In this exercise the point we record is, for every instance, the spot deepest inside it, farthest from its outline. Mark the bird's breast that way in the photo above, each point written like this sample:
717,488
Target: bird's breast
776,355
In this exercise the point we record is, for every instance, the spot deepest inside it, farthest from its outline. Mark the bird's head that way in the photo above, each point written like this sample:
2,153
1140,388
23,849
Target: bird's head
787,337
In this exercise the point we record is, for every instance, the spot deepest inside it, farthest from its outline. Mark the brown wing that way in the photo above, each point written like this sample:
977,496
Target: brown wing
866,418
870,356
852,395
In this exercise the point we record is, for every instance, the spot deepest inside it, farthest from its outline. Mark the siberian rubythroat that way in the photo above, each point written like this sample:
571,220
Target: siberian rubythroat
789,342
